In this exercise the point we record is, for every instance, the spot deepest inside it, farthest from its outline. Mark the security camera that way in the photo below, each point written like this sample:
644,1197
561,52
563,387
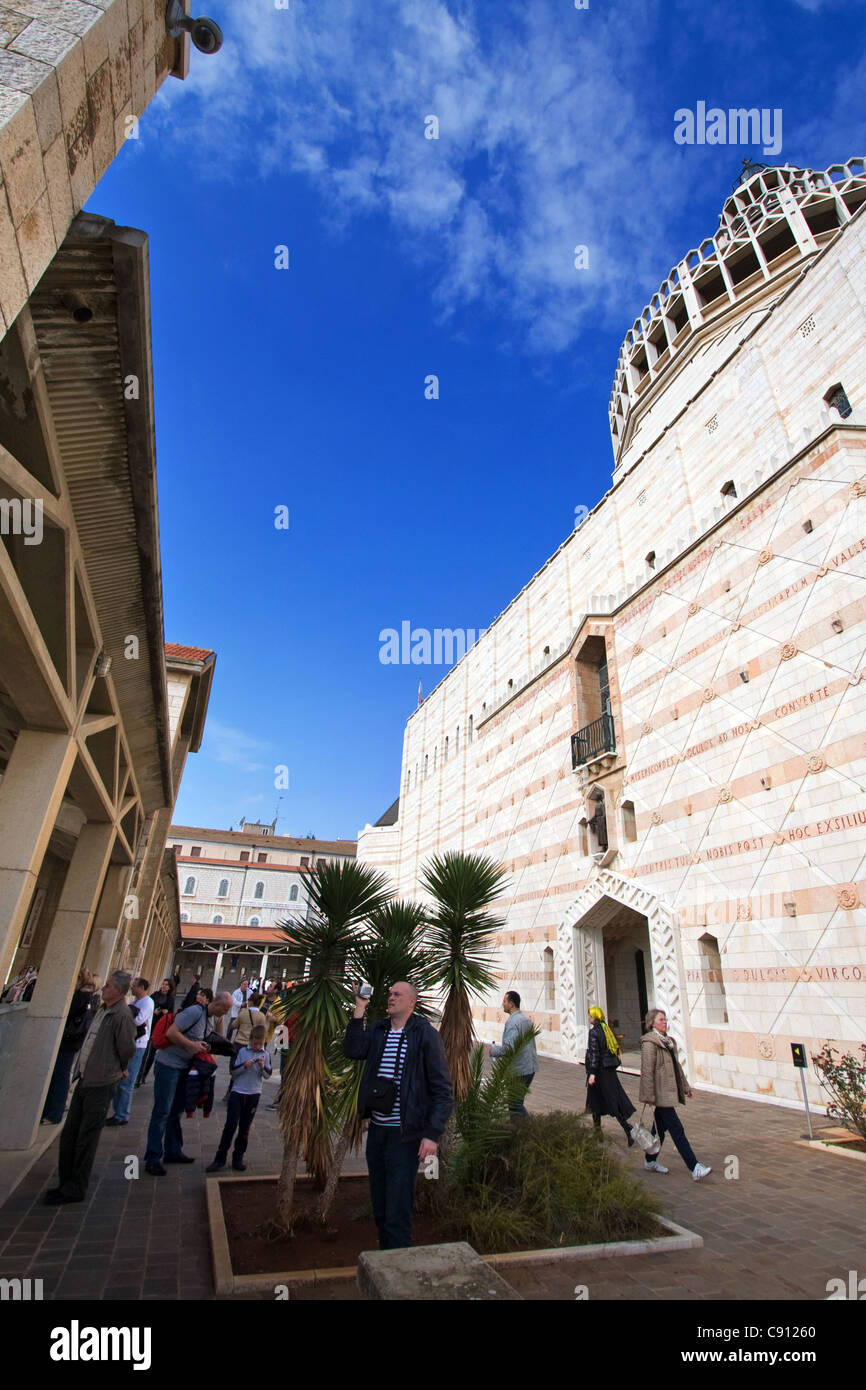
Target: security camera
205,33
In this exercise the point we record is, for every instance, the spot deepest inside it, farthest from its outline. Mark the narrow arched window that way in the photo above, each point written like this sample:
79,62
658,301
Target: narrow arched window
293,893
259,890
217,920
255,921
189,886
223,890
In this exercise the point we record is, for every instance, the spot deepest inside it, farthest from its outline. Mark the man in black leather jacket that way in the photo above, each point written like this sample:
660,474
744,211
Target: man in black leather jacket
407,1094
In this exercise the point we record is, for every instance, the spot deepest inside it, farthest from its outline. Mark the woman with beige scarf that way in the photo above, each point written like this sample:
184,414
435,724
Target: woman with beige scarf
664,1085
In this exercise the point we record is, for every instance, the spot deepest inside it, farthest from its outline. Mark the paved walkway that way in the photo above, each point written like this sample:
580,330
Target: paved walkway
792,1219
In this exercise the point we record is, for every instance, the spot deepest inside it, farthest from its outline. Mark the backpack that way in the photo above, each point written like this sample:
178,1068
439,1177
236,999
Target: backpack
158,1037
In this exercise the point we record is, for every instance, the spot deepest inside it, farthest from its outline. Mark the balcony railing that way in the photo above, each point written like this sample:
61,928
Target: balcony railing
593,740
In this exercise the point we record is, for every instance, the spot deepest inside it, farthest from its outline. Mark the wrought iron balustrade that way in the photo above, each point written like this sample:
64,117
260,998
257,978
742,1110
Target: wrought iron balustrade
593,740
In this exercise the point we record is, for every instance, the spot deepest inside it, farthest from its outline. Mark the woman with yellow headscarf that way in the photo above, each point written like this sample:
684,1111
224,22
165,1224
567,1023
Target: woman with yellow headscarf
604,1092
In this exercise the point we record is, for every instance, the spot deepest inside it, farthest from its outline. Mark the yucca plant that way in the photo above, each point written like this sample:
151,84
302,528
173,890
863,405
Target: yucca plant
459,947
341,896
483,1117
391,948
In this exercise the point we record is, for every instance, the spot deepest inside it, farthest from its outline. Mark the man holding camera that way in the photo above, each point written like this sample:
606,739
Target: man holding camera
407,1095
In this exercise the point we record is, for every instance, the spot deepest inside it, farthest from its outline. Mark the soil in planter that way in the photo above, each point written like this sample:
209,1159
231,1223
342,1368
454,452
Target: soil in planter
249,1207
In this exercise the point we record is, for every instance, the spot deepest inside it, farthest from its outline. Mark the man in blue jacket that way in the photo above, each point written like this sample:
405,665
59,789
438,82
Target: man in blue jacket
406,1093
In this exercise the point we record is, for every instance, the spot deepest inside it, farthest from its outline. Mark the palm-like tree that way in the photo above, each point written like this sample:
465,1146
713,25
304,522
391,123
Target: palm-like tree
391,948
341,896
459,946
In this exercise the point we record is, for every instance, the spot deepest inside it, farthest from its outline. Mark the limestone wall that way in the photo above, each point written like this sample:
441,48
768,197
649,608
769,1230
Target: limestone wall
770,583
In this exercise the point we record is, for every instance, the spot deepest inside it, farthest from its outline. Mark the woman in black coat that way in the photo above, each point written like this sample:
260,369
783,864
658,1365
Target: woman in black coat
163,1003
78,1021
604,1092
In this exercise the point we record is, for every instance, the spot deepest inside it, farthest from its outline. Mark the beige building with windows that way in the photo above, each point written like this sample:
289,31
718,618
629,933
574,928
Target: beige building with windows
674,773
235,886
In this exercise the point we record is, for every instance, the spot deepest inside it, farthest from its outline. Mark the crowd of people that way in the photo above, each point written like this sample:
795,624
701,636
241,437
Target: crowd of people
109,1046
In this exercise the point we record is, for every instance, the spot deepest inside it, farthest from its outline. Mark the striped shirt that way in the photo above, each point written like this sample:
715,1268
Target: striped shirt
386,1073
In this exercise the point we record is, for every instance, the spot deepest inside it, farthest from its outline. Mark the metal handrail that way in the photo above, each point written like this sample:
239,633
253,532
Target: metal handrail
593,740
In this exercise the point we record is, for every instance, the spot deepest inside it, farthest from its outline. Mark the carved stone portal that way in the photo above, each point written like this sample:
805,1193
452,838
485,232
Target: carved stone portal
580,958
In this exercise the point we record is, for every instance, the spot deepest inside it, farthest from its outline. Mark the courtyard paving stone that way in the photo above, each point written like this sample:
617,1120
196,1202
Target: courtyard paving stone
793,1219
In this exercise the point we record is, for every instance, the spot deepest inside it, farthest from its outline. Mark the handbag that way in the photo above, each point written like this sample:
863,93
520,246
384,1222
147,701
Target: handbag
383,1091
643,1137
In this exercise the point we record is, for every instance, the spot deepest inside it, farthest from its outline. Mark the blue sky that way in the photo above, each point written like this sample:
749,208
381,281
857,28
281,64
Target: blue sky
409,257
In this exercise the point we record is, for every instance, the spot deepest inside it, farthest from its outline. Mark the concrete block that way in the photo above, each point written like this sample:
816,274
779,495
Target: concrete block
81,177
46,104
118,50
10,103
36,243
44,41
21,162
101,120
13,286
431,1273
73,96
59,191
11,24
75,16
95,44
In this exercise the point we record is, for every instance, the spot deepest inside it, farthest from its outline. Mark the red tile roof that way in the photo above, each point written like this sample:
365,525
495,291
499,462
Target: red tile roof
225,932
187,653
261,842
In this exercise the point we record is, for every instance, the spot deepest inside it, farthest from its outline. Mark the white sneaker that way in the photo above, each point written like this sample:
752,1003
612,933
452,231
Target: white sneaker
656,1167
700,1171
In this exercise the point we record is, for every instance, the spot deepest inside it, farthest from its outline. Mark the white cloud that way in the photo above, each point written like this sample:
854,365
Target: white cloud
227,745
541,146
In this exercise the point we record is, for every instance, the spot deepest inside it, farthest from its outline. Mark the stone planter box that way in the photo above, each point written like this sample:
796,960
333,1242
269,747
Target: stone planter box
227,1284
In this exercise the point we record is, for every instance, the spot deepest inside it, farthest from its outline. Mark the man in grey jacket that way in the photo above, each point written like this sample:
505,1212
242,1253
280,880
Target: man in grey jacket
105,1054
526,1061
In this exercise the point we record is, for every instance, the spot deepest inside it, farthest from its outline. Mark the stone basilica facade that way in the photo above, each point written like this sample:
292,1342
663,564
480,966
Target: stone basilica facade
674,773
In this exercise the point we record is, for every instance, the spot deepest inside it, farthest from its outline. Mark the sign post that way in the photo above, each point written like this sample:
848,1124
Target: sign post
798,1052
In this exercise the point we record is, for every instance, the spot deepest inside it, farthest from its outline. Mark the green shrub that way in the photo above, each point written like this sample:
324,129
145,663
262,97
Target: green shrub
548,1182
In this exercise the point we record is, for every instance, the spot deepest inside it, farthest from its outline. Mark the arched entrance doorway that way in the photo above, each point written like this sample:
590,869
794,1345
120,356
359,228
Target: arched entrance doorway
618,947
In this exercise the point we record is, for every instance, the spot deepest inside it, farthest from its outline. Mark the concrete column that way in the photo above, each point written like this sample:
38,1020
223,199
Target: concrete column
30,796
103,945
217,970
265,968
28,1062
